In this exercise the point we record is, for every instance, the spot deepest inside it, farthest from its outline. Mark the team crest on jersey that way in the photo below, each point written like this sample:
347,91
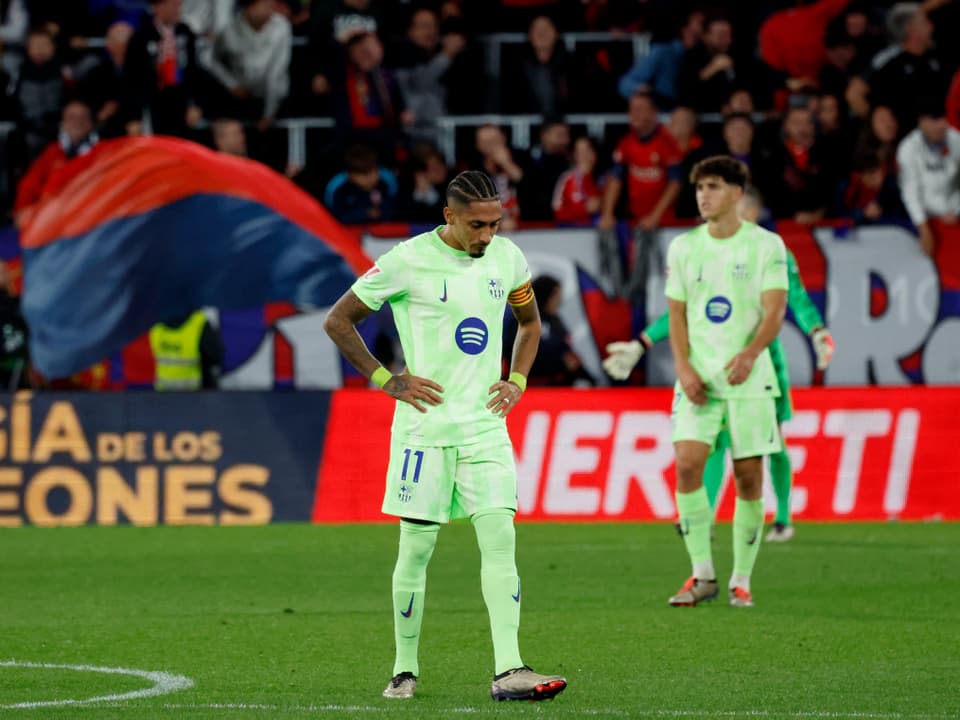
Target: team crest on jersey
495,288
740,271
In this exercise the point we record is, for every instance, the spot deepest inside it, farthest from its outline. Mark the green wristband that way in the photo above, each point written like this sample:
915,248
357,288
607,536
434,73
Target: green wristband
519,380
381,376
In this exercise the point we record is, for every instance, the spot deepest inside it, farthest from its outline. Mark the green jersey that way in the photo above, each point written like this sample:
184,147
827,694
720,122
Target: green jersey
721,282
448,308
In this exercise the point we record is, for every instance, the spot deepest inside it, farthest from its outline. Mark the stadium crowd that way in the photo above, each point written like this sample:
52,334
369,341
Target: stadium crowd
837,106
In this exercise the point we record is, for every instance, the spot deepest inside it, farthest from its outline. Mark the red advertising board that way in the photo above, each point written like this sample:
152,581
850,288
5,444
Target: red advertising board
858,454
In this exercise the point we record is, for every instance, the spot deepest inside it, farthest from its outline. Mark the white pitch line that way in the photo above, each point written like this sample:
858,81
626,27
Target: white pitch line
163,684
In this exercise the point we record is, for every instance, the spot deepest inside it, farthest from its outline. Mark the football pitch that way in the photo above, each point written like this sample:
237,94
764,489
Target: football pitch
294,621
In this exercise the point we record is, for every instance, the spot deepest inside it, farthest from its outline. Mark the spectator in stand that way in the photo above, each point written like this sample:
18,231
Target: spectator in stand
911,72
538,82
879,137
929,162
100,81
333,23
207,18
162,74
367,101
557,364
422,192
426,63
14,24
656,72
863,23
77,137
365,193
710,71
251,59
834,139
229,137
39,93
547,161
497,160
792,41
576,198
798,187
648,163
840,52
870,194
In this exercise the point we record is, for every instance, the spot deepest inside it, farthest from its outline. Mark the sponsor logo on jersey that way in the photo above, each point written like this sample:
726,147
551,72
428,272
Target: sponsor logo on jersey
443,298
718,309
472,336
495,288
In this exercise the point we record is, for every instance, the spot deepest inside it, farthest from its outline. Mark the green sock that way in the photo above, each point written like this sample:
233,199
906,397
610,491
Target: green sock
409,585
781,475
747,529
500,584
713,475
695,521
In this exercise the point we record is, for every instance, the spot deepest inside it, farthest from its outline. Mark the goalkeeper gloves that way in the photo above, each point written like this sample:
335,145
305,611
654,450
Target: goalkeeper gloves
822,346
623,356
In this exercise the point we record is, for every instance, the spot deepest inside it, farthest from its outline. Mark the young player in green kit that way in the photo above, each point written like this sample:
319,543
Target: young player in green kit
727,294
625,355
450,454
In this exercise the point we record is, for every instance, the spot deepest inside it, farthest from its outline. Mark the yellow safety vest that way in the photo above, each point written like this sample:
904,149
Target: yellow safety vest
177,354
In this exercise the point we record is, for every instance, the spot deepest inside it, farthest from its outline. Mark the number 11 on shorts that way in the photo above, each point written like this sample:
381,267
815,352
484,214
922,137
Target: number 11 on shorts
418,454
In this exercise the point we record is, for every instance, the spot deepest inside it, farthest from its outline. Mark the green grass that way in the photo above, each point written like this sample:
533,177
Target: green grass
293,621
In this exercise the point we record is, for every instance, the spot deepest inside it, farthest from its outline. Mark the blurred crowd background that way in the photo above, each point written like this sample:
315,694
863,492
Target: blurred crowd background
584,111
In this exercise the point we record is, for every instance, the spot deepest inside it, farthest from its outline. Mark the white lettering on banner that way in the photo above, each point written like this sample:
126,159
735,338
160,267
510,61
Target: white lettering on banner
803,424
569,459
530,461
646,466
854,426
904,443
876,343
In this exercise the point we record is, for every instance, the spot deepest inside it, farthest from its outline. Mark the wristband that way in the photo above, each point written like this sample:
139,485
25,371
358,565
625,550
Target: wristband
519,380
381,376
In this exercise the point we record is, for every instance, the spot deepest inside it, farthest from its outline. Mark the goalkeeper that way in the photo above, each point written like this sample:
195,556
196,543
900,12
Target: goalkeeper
624,355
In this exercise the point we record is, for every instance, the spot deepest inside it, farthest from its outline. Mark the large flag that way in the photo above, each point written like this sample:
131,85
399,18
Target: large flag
144,230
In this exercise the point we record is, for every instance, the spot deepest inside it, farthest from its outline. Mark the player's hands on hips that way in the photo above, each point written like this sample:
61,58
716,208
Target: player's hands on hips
506,395
693,385
822,346
414,390
739,367
622,358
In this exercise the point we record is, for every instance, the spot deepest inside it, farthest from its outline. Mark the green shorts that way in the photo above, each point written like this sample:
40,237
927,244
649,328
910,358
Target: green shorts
751,423
445,483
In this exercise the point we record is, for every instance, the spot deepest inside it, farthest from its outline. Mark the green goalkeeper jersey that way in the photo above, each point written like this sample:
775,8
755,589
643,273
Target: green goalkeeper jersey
448,308
721,282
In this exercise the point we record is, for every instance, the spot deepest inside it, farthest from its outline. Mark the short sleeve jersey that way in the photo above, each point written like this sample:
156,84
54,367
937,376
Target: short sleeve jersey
448,308
646,165
721,282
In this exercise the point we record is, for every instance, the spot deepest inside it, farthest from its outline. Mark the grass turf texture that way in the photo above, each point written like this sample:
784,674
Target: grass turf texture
852,621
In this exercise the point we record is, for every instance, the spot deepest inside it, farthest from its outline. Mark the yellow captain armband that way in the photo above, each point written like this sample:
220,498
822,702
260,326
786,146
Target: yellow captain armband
521,296
519,380
381,376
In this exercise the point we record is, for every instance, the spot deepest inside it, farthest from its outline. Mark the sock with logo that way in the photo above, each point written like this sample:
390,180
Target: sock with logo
409,585
500,583
747,529
781,476
695,520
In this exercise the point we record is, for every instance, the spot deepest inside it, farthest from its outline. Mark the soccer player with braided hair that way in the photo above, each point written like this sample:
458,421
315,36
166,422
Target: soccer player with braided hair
450,454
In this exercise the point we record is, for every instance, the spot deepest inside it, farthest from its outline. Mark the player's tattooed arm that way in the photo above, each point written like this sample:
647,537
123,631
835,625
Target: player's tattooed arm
341,325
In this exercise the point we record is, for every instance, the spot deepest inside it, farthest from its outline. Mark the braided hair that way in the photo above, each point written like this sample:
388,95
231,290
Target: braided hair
471,186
